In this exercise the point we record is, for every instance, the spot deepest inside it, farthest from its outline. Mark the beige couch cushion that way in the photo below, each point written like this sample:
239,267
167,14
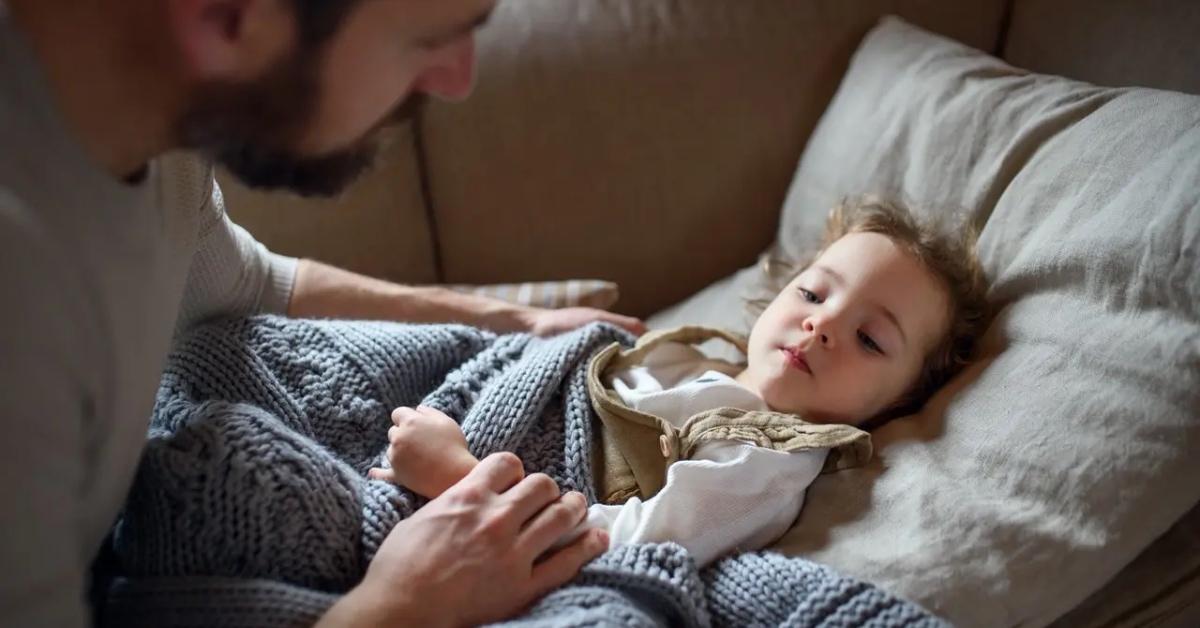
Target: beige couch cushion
1038,474
377,227
648,143
1151,43
1161,588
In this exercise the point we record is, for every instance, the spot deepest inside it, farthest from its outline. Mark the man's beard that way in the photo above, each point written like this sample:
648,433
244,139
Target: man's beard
250,128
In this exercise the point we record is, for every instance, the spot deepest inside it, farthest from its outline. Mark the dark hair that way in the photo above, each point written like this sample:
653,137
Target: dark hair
320,19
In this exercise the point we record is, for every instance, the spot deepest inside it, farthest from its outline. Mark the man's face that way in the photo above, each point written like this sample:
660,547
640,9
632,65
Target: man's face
848,336
308,122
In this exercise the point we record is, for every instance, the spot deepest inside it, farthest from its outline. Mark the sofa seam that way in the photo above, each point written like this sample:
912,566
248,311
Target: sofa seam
427,201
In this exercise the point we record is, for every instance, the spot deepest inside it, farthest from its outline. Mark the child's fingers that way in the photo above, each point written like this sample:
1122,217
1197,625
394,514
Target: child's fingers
387,475
435,413
399,414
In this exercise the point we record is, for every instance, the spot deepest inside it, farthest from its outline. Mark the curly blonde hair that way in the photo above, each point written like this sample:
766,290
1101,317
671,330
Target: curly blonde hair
948,254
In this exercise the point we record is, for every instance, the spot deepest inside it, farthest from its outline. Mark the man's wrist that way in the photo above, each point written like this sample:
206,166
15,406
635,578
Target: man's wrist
481,311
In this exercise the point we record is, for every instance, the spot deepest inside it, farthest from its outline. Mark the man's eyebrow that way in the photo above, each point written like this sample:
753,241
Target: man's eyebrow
460,30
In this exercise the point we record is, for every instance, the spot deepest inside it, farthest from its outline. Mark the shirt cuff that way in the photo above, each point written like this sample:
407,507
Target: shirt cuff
281,271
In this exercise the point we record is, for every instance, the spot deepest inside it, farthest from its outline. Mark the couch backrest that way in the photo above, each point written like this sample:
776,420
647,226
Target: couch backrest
1146,43
651,142
379,226
646,142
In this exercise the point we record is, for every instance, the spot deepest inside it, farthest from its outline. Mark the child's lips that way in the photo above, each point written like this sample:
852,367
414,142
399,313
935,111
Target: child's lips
796,359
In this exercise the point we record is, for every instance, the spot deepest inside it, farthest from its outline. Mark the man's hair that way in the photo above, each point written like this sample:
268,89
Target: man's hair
318,20
949,254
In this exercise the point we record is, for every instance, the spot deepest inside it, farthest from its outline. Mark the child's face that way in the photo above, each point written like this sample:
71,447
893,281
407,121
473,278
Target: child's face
847,337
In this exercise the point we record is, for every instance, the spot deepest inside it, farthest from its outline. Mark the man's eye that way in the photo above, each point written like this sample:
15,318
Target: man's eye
869,343
810,296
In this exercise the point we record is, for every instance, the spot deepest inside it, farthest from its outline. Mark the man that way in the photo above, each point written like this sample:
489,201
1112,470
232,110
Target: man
110,243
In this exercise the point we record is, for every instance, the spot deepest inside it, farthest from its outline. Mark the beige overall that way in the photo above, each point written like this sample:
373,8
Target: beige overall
634,448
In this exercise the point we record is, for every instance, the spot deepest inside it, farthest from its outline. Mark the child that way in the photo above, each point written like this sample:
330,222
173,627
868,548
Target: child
886,312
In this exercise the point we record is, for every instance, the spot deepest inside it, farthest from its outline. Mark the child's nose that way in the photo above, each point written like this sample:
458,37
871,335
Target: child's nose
820,327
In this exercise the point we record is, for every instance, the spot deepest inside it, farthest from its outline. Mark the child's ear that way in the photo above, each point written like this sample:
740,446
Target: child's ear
232,40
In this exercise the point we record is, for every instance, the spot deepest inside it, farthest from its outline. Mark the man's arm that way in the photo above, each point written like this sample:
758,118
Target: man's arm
234,274
323,291
231,272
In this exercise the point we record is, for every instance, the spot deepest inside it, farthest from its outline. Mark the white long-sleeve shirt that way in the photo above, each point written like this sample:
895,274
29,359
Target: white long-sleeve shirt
730,495
96,276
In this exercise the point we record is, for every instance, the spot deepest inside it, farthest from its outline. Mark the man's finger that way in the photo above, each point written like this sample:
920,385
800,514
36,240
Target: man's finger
531,495
564,563
498,472
629,323
549,525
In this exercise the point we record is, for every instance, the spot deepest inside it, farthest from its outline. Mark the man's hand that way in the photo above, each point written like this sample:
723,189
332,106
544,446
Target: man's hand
543,322
472,555
427,450
322,291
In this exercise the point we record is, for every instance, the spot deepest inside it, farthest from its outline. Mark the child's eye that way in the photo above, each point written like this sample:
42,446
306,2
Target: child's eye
869,343
810,296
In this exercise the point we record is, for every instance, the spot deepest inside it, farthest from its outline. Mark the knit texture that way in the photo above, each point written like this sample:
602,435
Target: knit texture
251,505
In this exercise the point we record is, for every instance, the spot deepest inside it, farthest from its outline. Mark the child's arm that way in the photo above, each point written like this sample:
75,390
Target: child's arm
729,497
427,451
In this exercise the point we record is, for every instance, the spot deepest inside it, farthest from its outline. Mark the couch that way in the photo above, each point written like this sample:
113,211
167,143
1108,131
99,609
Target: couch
654,143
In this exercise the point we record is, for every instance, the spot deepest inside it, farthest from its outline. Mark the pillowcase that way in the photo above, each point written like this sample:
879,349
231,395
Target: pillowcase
549,294
1037,474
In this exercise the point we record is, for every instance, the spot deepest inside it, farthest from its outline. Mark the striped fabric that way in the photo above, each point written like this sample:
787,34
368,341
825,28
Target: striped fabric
549,294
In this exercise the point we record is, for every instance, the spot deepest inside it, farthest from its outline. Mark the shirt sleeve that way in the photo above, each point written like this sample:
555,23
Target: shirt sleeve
729,497
42,407
231,272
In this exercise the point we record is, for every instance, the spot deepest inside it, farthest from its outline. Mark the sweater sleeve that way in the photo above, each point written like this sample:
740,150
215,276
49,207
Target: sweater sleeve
231,272
43,407
729,496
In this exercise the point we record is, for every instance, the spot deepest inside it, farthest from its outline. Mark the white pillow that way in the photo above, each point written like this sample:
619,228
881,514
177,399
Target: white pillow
1034,477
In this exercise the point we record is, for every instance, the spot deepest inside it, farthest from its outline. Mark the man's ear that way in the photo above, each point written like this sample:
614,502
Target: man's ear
230,39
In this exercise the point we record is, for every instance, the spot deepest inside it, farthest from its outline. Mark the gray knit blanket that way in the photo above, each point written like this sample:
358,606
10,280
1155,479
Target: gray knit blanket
251,505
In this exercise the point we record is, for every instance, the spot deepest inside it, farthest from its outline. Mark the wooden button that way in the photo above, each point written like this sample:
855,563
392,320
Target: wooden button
664,444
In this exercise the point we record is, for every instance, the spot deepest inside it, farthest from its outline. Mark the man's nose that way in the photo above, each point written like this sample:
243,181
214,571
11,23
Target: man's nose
450,75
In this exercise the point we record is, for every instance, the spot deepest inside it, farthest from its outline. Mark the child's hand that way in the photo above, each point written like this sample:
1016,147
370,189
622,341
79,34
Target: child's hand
428,452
